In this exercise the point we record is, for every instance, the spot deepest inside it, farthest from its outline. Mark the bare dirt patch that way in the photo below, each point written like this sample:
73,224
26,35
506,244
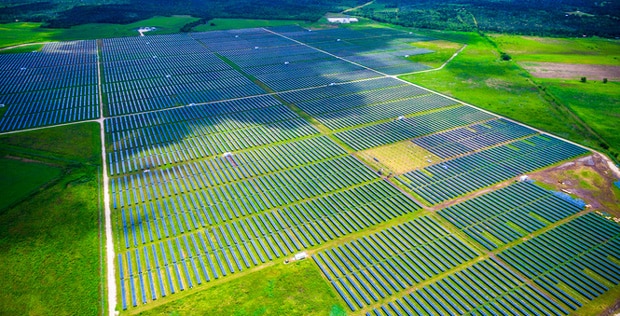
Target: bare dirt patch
571,71
588,178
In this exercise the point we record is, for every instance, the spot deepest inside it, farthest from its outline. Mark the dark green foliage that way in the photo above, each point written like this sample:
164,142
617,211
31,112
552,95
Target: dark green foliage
528,17
124,12
583,79
189,26
34,12
505,57
604,80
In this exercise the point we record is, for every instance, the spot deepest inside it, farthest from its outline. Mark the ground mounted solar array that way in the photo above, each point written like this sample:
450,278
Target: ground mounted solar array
214,171
573,262
383,50
377,266
553,273
502,216
486,288
471,138
452,178
54,86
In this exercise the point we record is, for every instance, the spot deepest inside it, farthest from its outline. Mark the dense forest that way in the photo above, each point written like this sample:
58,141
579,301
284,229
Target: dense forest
530,17
62,14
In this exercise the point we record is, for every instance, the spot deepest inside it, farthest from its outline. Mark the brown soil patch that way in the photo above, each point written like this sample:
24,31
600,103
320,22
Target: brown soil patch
589,178
571,71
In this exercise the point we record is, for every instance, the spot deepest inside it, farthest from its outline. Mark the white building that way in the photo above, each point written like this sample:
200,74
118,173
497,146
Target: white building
342,20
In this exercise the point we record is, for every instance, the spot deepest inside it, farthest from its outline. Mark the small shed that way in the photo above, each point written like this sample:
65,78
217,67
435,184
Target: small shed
302,255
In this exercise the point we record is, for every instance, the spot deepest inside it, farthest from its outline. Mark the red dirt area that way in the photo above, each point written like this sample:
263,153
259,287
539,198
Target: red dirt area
571,71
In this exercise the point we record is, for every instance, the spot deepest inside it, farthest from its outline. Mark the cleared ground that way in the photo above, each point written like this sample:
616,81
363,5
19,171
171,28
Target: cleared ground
588,178
571,71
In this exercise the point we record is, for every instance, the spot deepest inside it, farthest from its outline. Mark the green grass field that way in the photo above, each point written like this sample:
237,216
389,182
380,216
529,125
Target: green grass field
49,243
19,33
595,103
443,50
20,178
398,158
293,289
71,143
229,24
561,50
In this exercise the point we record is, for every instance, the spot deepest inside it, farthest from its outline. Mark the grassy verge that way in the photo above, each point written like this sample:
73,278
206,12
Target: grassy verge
398,158
49,242
293,289
71,143
28,48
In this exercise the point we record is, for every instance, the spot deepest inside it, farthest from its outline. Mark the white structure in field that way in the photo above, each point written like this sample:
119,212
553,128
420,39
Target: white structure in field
342,20
301,255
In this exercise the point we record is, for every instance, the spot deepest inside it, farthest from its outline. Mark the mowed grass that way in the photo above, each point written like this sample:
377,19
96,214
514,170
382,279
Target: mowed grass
49,242
293,289
230,24
27,32
398,158
20,178
479,76
73,143
443,50
599,51
596,103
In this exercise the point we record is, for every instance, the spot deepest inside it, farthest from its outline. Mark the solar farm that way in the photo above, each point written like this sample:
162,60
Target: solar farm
230,151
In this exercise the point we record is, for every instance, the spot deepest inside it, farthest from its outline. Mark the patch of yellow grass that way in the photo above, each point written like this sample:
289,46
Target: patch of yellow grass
436,44
398,158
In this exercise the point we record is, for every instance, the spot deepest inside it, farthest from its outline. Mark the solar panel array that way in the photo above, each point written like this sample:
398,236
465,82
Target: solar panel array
384,50
54,86
230,149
